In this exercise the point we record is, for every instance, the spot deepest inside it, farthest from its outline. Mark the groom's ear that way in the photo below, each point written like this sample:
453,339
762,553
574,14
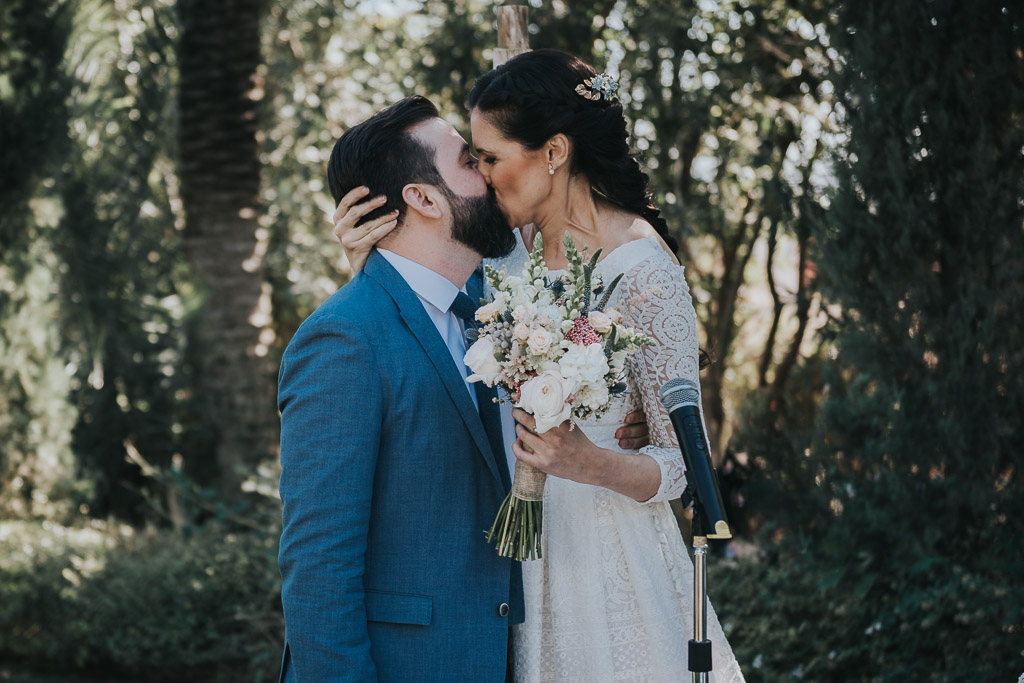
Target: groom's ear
423,199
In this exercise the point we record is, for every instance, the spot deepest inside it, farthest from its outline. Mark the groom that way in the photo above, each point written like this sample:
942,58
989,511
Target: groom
392,465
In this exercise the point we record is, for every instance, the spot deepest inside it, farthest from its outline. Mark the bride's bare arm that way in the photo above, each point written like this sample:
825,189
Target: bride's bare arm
358,239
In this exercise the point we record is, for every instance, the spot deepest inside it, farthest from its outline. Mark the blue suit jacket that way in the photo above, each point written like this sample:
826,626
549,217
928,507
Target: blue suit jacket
388,483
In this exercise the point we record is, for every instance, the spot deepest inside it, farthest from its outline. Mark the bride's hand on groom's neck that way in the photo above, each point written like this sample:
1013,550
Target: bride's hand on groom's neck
358,239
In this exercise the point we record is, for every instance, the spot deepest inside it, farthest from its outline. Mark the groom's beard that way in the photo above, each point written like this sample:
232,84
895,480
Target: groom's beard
478,223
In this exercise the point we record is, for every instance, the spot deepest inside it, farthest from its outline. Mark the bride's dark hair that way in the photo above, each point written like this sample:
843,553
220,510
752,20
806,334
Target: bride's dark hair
532,97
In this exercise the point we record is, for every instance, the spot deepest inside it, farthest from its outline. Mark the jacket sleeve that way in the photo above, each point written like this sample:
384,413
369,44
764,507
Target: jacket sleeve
331,414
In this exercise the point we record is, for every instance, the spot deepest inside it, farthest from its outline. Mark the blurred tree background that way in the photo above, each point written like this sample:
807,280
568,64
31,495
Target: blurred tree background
846,178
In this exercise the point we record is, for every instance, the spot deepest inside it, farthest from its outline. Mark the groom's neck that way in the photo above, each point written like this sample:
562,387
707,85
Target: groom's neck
446,257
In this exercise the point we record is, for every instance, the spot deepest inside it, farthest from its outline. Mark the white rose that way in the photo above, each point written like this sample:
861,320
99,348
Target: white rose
488,312
613,315
480,359
539,341
544,397
601,323
521,331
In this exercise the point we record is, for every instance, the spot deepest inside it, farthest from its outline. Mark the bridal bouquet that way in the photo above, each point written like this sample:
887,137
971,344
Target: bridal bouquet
558,352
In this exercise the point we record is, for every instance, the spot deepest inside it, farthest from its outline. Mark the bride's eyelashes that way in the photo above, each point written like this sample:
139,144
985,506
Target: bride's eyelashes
487,159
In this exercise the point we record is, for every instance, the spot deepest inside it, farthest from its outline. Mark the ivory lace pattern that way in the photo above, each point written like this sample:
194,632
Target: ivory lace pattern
612,598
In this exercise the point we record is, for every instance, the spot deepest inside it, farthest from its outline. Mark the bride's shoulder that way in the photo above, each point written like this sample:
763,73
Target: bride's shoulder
645,230
633,229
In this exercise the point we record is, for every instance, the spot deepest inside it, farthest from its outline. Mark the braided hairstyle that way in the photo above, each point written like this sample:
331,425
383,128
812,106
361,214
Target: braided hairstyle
532,97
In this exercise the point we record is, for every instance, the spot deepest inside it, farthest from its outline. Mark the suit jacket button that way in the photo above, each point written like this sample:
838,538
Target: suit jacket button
503,609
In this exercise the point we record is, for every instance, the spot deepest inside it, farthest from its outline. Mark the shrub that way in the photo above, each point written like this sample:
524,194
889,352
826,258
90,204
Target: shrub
201,606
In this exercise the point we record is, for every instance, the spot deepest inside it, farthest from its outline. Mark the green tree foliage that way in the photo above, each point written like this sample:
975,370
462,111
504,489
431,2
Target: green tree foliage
123,287
327,66
904,498
36,417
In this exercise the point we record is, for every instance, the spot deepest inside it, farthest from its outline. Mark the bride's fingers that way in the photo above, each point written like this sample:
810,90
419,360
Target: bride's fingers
529,440
350,210
366,235
351,198
525,419
523,452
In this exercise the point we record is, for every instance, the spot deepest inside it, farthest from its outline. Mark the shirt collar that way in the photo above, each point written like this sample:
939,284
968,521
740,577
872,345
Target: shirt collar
432,287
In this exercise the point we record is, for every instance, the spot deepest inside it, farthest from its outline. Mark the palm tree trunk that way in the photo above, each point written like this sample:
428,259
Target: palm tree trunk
220,173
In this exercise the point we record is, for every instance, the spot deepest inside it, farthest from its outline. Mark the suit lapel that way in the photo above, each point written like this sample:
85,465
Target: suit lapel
490,414
415,317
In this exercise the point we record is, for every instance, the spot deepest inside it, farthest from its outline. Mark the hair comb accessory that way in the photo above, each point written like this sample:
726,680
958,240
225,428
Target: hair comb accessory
600,87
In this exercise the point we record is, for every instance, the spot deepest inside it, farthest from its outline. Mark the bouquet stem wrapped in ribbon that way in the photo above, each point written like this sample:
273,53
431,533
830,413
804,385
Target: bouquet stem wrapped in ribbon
558,352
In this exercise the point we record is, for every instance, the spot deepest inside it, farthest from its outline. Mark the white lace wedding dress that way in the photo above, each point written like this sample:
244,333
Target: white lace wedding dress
612,597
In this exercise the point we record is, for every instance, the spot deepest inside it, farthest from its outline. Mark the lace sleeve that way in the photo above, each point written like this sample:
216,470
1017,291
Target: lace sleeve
657,301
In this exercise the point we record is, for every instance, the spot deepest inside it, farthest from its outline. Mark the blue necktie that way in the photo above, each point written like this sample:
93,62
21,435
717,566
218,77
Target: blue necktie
465,307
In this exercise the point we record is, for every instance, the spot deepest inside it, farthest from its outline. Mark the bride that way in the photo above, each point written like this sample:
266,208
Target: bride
612,597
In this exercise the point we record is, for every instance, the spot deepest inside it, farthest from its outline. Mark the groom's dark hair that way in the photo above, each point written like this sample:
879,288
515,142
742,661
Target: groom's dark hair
381,154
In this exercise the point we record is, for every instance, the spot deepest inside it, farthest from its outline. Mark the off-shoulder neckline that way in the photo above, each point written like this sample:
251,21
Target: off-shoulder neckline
617,251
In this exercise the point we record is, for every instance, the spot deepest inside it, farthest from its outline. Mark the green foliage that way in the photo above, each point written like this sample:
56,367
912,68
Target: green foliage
923,419
37,469
92,280
802,617
902,495
328,66
159,606
126,300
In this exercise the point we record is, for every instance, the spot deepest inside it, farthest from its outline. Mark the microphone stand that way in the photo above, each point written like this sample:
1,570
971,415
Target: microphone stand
699,655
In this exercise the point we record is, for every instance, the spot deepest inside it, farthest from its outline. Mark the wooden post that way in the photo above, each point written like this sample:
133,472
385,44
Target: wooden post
513,33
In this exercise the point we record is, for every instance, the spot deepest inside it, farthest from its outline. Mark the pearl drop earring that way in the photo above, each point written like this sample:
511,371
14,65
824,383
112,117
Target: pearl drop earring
551,170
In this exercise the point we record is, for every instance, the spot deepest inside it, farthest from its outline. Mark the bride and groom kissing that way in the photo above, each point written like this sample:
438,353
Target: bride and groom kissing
393,465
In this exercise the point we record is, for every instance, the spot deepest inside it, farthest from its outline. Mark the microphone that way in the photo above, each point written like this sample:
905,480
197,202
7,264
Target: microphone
681,399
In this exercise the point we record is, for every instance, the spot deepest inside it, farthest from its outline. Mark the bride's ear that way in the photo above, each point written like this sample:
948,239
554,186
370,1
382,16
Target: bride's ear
423,199
557,150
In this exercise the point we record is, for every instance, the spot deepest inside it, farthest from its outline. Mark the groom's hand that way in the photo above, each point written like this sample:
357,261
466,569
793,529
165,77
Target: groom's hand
633,434
358,240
